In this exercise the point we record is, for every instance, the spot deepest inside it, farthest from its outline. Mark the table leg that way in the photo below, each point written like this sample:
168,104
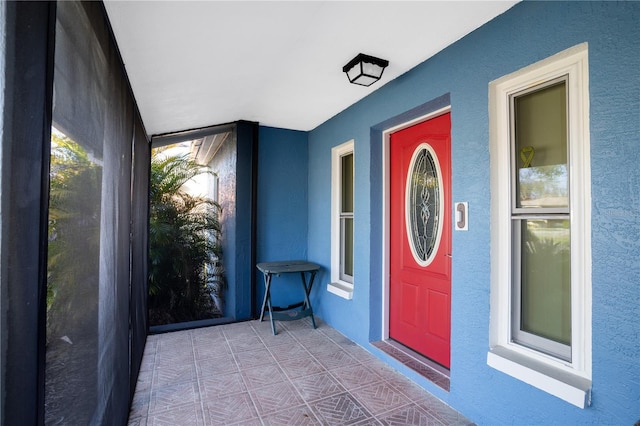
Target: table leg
267,295
266,303
273,324
267,285
307,290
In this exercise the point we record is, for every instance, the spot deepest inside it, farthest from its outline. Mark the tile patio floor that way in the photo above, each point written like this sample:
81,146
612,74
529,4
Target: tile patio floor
241,374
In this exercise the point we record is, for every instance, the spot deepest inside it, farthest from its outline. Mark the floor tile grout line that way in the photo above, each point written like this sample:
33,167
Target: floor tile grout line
239,368
153,390
195,367
407,405
347,391
155,387
153,368
325,370
306,403
360,386
410,401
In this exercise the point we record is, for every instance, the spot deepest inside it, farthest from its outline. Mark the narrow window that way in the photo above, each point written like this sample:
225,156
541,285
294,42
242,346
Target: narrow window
342,224
540,320
346,218
541,311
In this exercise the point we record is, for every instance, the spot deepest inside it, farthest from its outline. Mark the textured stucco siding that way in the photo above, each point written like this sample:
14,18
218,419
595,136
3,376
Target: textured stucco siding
525,34
282,209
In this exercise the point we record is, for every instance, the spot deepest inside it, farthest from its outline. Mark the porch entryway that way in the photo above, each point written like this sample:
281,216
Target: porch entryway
416,239
242,374
420,238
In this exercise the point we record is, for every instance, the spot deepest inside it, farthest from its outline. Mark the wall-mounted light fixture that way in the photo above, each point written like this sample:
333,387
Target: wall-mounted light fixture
364,69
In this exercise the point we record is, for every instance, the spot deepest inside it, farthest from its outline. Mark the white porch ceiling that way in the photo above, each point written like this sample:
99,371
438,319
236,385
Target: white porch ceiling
202,63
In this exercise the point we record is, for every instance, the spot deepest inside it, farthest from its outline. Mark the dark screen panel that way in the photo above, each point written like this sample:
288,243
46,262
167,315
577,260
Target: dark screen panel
139,249
89,289
66,282
26,28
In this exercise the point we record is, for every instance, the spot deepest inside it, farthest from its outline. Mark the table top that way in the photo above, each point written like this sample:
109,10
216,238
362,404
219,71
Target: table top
285,266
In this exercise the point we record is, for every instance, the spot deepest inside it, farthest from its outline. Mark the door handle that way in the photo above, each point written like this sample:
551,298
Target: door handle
461,216
448,255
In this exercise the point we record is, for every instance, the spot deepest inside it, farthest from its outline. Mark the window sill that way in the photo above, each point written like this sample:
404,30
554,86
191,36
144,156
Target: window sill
564,385
341,289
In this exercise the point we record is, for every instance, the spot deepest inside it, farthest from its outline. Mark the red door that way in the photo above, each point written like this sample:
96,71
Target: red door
420,238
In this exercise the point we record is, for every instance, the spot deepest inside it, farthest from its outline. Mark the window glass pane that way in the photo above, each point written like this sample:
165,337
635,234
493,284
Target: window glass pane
347,247
541,148
423,204
546,279
347,183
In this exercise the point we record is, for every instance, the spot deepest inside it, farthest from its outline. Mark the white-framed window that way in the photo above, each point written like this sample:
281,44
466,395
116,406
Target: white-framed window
342,231
540,326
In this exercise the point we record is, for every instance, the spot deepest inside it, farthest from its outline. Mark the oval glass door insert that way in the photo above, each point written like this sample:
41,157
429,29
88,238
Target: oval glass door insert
424,204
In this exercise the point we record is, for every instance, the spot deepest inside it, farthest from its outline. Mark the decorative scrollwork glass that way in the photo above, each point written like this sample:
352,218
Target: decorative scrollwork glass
424,204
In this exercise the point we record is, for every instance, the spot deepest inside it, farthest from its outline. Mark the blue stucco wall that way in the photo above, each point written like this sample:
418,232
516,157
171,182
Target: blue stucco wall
281,208
528,32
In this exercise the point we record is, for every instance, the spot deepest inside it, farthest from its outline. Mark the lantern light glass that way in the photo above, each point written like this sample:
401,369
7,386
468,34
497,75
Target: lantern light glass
365,69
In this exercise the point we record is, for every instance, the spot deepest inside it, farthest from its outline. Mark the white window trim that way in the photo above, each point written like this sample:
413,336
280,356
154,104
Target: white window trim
338,286
570,381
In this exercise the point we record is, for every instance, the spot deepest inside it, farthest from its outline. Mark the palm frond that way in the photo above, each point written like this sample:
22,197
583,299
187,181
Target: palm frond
184,238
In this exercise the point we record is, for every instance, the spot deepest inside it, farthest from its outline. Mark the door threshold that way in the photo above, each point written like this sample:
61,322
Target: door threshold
428,369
